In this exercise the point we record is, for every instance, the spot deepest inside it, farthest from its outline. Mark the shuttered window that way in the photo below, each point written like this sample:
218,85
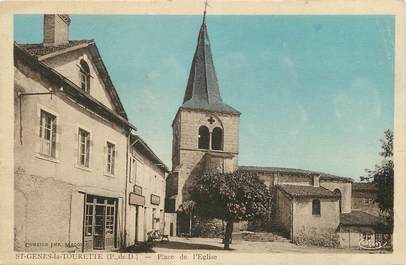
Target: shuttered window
111,157
84,148
47,134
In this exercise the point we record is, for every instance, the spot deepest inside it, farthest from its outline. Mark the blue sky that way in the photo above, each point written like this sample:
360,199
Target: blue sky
315,92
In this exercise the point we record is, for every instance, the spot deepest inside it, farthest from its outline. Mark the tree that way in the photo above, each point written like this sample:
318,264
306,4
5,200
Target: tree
232,197
187,207
382,177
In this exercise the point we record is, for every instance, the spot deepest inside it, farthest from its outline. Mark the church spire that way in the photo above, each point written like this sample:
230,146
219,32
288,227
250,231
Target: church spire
202,91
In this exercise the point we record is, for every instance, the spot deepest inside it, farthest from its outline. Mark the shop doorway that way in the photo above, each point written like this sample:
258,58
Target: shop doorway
99,231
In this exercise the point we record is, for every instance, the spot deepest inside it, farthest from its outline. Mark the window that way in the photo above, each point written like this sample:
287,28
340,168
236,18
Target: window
84,148
47,134
84,74
203,137
316,207
89,220
338,193
111,157
217,139
133,170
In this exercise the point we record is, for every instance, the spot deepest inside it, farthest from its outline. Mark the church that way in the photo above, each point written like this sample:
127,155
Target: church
206,139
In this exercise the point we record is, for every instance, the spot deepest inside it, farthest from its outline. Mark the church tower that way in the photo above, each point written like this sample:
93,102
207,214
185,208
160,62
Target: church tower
205,129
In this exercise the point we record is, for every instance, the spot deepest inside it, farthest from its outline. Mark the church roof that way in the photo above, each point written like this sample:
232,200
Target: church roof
307,191
358,218
364,186
202,90
294,171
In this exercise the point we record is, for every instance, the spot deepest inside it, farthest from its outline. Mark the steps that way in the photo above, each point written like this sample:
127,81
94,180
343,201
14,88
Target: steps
263,237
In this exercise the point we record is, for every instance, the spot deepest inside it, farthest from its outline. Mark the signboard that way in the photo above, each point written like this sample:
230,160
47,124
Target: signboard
137,190
136,199
155,199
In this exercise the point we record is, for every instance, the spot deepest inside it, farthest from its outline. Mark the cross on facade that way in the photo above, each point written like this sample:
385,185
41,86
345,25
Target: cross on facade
211,120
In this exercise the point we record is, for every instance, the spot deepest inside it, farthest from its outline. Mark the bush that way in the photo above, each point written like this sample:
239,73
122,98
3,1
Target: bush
312,237
212,228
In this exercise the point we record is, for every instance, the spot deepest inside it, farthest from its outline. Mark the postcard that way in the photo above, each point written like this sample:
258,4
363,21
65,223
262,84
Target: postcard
215,132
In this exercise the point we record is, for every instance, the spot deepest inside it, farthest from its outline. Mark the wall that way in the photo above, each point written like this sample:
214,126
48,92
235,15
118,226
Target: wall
152,180
64,168
364,201
68,64
345,189
350,237
304,221
170,219
189,160
283,212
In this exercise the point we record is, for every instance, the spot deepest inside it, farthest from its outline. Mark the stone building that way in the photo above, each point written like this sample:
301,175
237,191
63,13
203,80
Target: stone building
205,129
71,151
304,201
205,139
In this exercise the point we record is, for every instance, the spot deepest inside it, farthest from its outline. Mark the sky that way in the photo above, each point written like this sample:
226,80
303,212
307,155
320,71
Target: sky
315,92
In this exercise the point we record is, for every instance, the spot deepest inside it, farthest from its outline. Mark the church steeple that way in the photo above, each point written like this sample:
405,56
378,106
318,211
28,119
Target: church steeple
202,91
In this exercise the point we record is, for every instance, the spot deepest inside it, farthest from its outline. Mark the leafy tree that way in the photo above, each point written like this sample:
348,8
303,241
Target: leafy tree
187,207
382,177
232,197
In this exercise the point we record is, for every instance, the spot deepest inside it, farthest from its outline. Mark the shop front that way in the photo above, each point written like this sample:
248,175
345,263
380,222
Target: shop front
100,223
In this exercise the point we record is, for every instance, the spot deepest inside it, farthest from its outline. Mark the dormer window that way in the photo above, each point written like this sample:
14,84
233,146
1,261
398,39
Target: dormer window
84,74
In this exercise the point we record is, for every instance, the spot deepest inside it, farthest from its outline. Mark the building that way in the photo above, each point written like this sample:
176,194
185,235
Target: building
73,151
205,129
363,198
146,192
307,204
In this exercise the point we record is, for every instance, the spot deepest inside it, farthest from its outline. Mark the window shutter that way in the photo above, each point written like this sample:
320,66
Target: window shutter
76,147
38,131
90,146
105,149
114,160
58,138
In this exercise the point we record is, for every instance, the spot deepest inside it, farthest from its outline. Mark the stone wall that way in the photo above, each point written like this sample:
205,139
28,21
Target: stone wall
282,215
189,160
345,190
304,220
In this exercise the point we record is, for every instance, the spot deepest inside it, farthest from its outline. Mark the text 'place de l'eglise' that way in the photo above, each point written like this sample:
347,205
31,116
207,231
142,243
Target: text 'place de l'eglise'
86,179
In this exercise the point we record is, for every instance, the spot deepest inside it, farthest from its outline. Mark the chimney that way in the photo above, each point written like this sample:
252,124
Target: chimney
316,180
56,29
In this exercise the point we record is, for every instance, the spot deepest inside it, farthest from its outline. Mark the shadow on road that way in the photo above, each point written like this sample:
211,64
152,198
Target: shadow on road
184,245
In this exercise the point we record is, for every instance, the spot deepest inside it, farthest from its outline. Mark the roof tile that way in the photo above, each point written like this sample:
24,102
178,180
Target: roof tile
307,191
